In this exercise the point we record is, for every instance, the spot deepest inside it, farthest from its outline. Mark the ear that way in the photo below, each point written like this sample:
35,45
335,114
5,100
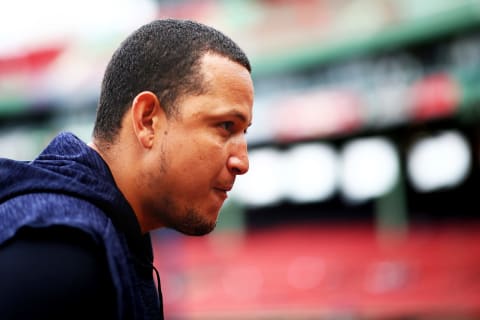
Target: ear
146,115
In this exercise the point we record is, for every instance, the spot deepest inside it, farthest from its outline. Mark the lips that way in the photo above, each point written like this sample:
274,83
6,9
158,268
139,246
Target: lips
222,190
221,193
225,188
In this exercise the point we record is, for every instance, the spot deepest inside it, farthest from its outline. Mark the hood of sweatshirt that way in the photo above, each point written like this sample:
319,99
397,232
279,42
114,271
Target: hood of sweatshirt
68,166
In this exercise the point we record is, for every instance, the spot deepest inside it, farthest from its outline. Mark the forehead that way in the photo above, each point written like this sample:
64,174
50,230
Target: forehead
219,70
228,88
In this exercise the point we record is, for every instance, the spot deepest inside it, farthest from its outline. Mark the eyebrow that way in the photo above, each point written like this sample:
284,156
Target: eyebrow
240,116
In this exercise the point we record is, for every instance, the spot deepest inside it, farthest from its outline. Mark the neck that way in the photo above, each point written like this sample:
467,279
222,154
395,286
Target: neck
123,174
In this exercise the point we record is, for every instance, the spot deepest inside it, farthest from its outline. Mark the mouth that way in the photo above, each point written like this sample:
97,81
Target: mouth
223,191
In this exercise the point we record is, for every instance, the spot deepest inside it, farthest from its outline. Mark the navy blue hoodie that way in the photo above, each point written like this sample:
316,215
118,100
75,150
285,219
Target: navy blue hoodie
70,185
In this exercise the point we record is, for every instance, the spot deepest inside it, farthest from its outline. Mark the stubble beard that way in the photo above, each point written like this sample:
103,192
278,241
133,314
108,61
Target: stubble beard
194,224
188,221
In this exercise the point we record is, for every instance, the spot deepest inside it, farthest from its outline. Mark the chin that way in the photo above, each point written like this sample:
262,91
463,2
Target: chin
198,230
196,224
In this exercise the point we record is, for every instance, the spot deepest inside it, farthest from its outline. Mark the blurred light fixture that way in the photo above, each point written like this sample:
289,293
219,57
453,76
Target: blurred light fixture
370,168
311,172
263,184
439,162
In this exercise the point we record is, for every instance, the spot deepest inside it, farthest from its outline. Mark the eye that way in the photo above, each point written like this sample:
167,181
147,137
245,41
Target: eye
227,125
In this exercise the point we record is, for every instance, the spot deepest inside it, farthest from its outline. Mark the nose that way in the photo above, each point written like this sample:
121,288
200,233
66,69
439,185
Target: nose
238,160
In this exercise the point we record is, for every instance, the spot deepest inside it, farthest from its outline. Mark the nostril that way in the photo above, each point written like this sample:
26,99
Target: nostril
238,165
236,171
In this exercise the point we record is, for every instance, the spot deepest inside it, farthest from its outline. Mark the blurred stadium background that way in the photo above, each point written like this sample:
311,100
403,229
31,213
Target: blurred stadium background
363,197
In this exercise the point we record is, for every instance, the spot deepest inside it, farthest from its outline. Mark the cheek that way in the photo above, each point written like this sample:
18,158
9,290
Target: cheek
200,157
206,149
203,163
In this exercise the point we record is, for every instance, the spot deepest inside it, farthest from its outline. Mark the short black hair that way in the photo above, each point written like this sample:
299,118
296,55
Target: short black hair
162,57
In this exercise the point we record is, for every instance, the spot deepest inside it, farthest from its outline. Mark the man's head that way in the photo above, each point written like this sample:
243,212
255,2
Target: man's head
175,105
162,57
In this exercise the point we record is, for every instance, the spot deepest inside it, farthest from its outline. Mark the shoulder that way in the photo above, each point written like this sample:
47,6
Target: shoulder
61,264
47,209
